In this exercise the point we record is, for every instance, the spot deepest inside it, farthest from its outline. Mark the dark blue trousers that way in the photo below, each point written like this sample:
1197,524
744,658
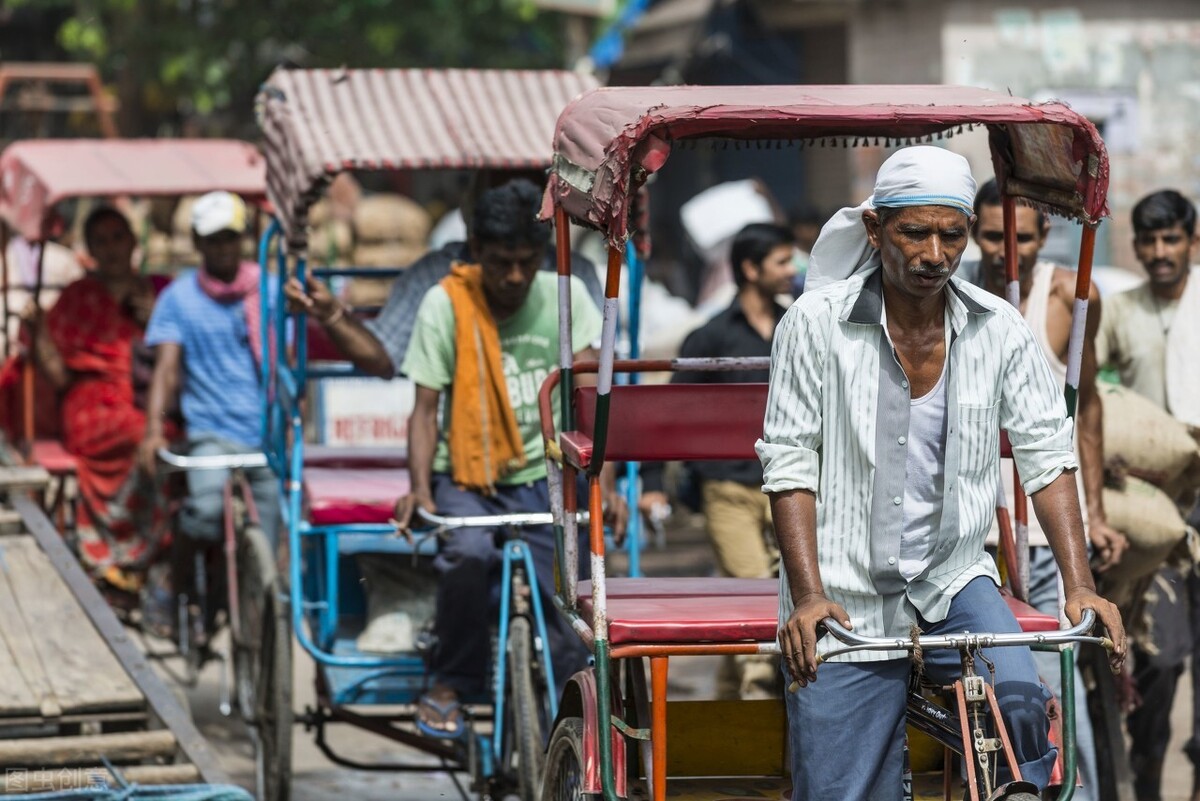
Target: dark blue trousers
846,730
468,567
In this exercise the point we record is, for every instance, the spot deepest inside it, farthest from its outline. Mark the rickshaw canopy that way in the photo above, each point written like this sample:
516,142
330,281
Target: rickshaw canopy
318,123
36,175
607,140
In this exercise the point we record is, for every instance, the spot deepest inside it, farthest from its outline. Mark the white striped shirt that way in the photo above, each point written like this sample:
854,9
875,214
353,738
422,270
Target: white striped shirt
837,424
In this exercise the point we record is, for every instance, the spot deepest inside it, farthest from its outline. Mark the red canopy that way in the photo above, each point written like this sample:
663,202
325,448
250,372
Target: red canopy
1045,153
35,175
318,123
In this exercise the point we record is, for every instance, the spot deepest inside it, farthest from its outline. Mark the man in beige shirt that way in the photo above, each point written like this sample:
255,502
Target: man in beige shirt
1151,334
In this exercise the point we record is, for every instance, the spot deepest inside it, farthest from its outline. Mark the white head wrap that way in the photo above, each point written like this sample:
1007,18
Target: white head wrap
914,176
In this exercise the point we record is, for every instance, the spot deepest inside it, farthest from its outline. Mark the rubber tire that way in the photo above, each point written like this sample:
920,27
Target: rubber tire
527,709
564,763
262,662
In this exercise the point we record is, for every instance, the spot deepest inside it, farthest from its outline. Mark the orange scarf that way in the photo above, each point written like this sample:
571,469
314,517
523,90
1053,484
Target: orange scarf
485,442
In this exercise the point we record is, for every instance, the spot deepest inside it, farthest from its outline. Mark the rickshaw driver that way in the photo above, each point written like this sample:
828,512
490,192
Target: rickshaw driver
889,385
206,336
377,346
485,339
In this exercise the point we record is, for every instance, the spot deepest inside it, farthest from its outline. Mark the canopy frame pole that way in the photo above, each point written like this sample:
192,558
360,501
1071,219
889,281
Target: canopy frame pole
1012,278
4,239
28,376
564,503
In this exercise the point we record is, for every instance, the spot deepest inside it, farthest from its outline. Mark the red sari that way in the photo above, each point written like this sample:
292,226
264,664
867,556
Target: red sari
102,428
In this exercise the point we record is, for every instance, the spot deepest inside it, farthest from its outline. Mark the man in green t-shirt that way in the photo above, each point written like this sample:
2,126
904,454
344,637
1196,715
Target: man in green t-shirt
509,244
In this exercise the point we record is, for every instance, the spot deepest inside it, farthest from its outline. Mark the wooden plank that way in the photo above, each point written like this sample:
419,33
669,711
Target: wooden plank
24,687
41,781
23,477
82,672
48,752
162,702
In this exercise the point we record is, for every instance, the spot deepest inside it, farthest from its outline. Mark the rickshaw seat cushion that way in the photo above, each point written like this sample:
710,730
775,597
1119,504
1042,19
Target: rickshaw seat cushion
355,457
682,619
1028,618
53,457
345,496
670,422
702,610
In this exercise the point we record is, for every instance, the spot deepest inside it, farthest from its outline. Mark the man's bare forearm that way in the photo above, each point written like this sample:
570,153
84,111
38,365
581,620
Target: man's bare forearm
164,384
795,517
1057,509
356,342
1091,454
422,442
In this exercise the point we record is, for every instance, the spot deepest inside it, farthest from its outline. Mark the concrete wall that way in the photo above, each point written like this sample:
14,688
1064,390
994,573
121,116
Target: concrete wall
1133,68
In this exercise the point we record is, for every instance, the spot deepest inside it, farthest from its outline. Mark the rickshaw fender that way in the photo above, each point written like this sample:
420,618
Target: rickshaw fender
579,700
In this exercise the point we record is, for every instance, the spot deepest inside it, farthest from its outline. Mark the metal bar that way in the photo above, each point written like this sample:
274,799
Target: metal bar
1002,730
964,724
353,272
1012,277
521,549
608,783
1083,286
4,285
500,669
1066,662
693,649
604,375
633,531
658,727
566,354
160,699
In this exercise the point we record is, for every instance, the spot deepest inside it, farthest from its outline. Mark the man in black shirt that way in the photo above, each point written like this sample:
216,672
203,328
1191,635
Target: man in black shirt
737,513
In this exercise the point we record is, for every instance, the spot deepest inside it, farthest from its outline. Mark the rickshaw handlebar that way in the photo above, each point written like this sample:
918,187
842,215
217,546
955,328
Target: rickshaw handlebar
232,461
518,519
855,642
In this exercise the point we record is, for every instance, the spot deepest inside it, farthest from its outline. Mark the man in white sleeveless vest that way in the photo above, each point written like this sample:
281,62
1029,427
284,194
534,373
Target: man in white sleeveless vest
1047,298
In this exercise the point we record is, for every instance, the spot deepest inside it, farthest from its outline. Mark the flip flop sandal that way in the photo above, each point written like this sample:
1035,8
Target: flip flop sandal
443,710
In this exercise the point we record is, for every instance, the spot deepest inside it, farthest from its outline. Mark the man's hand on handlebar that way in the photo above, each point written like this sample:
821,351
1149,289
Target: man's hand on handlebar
407,506
148,452
1082,598
798,636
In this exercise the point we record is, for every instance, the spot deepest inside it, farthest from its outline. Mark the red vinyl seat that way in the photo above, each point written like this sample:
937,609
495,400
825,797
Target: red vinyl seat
347,495
670,422
713,610
351,456
51,455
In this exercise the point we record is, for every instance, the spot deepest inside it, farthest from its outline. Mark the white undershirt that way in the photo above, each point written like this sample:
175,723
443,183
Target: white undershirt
925,470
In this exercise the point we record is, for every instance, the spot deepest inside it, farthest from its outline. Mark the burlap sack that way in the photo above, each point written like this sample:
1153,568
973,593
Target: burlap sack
330,242
387,255
1151,521
1142,440
391,218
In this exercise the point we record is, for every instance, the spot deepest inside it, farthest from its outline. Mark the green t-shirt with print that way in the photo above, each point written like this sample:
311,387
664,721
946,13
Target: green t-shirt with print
529,351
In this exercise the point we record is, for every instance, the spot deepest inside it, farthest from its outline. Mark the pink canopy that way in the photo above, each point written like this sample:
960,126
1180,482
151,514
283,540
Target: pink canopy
609,139
318,123
37,174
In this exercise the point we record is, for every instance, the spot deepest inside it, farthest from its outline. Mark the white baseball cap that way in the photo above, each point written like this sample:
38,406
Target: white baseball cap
218,211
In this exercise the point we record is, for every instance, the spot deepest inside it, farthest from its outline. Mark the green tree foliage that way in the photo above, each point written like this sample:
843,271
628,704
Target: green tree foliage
193,66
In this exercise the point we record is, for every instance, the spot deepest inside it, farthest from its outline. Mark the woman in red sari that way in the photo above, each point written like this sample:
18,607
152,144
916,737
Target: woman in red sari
84,346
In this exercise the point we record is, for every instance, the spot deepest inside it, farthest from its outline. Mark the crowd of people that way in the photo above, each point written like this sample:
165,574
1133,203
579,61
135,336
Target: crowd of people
890,313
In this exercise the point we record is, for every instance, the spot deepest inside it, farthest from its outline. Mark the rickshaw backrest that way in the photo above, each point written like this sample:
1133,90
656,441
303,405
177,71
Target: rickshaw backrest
669,422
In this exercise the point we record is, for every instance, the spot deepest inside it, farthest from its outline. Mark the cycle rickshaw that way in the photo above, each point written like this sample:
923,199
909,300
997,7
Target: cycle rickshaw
233,582
614,729
339,500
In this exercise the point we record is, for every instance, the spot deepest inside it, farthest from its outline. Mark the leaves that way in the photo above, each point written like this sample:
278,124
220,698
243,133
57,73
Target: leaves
178,62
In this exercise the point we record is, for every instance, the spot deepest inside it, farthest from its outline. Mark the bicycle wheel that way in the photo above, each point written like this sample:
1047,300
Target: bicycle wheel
526,705
263,663
564,763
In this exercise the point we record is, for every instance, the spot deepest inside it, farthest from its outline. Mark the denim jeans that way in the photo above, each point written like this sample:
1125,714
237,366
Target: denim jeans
203,513
846,730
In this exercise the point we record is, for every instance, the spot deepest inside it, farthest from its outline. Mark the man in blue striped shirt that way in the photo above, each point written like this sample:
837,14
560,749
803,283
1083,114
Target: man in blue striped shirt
881,455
